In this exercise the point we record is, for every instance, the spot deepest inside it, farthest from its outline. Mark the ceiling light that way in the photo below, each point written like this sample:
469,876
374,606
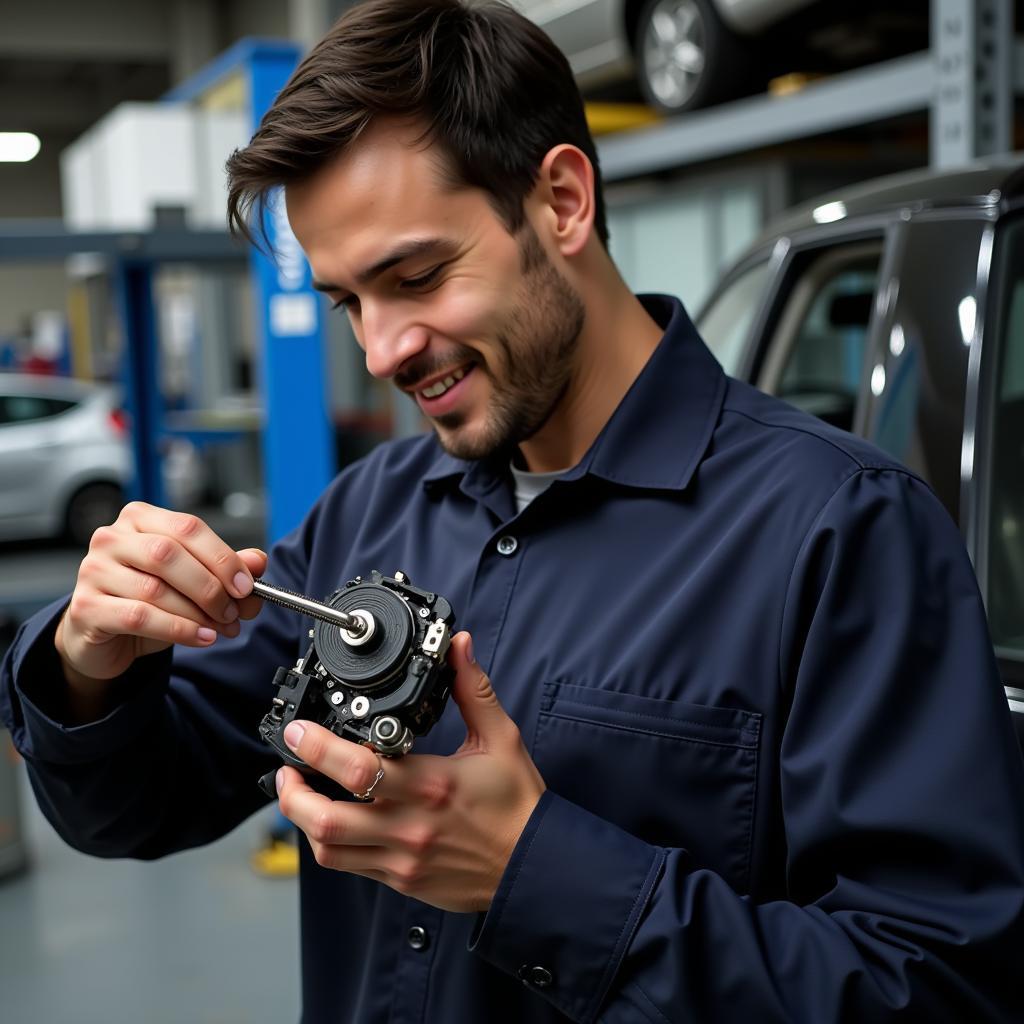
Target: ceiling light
18,147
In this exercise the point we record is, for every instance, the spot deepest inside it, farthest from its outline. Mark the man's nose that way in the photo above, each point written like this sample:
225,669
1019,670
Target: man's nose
389,342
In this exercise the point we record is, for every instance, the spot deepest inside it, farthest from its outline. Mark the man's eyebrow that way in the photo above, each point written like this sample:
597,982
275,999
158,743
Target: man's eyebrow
404,251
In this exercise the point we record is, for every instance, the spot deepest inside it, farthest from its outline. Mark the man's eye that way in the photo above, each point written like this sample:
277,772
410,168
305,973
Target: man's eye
346,303
424,279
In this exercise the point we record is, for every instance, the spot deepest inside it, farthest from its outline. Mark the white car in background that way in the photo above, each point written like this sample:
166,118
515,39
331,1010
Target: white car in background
66,459
686,54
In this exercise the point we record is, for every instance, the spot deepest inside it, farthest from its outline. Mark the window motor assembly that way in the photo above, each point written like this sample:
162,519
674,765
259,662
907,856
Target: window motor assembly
376,671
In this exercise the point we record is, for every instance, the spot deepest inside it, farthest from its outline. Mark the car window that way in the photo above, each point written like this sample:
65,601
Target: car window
917,377
725,323
1006,478
25,408
815,360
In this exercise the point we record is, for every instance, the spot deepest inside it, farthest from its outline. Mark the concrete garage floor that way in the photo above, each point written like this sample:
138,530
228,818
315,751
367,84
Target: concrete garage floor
196,938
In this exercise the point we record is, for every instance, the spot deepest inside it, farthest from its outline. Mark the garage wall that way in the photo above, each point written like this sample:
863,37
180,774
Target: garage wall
679,241
25,290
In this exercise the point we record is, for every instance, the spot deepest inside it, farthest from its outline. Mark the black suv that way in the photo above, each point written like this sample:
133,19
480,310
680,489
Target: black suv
896,311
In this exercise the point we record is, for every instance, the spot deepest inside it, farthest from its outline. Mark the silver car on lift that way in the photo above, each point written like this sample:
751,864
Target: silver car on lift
685,54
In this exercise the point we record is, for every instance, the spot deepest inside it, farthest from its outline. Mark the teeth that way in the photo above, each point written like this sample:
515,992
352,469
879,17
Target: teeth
439,388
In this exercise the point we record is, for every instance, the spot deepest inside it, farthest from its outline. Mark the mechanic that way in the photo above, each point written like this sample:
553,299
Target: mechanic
746,756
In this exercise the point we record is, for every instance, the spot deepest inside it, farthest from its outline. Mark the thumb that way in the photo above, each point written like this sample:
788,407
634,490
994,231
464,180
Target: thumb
255,560
481,710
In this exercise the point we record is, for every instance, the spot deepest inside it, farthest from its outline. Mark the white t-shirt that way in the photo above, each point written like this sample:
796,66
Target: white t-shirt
529,485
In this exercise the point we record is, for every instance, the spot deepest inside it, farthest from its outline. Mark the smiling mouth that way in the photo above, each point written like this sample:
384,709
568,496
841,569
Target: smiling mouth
439,387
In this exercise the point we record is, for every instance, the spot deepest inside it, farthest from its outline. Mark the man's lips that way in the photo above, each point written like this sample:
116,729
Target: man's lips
438,404
450,376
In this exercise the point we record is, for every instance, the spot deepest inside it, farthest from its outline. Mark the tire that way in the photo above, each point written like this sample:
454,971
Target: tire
91,507
686,57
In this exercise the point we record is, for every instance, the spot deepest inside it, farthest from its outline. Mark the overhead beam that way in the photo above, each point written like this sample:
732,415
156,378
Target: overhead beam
27,241
858,97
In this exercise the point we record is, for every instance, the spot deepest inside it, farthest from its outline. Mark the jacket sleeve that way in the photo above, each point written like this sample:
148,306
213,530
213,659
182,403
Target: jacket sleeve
901,787
176,762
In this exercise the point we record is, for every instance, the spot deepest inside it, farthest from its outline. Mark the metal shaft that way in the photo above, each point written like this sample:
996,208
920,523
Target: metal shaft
298,603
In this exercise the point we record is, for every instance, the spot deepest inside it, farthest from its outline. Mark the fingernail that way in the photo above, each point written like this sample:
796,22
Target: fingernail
469,652
242,583
231,612
293,734
279,780
206,634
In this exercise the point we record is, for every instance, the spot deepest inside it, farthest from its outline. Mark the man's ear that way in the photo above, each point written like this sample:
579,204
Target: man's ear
565,190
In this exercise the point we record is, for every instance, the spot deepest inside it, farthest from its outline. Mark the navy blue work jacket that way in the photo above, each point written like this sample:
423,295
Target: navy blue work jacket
748,655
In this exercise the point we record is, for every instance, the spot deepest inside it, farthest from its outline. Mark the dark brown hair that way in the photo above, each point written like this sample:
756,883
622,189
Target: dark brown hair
492,91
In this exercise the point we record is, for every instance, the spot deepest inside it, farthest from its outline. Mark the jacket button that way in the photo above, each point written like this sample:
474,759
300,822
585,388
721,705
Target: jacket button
418,938
507,545
535,976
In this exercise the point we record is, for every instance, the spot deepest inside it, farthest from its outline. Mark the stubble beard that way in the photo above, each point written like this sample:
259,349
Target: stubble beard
536,349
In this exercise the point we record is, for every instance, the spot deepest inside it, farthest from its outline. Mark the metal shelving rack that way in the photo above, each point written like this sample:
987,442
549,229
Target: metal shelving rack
965,83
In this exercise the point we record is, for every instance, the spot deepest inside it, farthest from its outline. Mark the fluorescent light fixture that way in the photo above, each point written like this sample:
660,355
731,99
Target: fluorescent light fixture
829,212
967,311
18,147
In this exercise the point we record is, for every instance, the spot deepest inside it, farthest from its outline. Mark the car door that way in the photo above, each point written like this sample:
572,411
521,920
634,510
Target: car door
809,344
815,352
917,366
993,458
28,436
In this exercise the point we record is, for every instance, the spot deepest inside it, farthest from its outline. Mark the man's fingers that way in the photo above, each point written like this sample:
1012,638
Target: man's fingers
100,617
352,766
116,580
322,819
165,559
191,533
256,562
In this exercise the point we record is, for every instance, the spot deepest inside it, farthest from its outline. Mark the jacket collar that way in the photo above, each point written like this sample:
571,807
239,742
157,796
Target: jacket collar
657,435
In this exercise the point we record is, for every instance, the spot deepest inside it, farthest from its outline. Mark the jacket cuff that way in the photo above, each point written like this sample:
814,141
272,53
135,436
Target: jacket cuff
567,906
34,698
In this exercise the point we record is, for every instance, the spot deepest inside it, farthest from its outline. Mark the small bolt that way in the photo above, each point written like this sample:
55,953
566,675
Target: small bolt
337,698
424,612
311,634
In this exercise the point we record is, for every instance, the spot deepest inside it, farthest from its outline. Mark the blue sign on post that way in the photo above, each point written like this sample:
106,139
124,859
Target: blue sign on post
298,439
298,443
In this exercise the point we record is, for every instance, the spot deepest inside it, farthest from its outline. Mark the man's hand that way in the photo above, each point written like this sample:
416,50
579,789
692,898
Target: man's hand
151,579
440,829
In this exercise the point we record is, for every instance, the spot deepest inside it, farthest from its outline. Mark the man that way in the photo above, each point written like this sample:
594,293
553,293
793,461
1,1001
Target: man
746,757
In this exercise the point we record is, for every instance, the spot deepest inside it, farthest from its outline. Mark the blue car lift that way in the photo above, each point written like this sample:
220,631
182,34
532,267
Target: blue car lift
298,446
298,439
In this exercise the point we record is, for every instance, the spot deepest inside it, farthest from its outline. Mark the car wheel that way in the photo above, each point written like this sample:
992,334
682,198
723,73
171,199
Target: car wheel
685,57
91,507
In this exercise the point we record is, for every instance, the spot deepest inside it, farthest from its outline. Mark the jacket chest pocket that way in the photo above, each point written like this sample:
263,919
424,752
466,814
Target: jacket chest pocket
673,774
